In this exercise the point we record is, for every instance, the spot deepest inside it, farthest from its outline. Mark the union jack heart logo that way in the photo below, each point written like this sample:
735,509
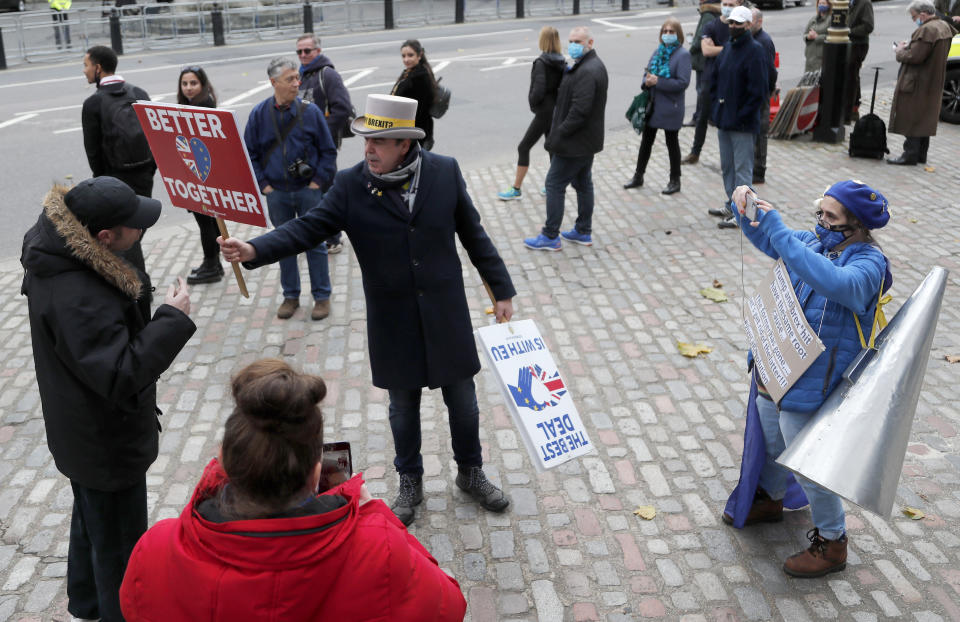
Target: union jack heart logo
196,156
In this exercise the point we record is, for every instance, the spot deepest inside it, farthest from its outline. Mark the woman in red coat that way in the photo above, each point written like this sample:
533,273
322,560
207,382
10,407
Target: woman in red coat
257,543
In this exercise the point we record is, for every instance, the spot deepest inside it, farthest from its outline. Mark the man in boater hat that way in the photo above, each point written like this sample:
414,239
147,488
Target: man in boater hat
401,207
838,273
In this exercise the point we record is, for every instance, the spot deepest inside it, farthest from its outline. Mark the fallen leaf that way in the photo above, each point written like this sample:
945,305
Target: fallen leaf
717,283
646,512
488,310
914,220
929,169
952,358
714,294
68,176
914,513
691,350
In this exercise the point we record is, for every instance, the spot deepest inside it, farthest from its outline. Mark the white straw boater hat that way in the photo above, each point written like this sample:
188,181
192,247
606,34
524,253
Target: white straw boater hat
388,116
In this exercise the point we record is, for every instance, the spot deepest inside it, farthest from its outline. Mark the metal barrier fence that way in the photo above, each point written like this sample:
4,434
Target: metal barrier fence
34,36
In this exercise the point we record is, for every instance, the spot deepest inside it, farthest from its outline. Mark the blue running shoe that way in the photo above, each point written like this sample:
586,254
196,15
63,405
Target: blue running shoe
579,238
542,243
543,191
510,194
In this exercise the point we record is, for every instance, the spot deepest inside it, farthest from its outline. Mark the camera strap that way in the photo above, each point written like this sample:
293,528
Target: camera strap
282,136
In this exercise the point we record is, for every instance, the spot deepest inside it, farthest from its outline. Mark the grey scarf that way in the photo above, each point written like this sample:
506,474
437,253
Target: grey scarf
399,176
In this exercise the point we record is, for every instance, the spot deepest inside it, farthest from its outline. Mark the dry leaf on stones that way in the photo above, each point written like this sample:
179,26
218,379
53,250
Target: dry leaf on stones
693,350
646,512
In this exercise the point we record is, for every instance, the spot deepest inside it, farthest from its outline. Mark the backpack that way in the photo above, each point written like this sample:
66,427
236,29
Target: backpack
869,136
441,100
345,132
124,143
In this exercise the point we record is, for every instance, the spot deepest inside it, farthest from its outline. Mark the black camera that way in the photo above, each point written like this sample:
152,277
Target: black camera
300,169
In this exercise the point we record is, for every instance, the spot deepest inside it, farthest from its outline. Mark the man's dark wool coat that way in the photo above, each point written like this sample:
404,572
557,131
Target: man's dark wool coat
96,351
418,323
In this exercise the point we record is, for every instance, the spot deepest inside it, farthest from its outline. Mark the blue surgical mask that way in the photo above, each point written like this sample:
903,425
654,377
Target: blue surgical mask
575,50
822,9
669,38
918,22
726,10
829,238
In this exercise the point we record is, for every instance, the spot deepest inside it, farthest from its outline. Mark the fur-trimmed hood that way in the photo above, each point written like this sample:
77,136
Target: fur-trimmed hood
59,243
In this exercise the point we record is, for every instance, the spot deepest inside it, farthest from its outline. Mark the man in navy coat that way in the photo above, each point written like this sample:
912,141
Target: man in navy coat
402,208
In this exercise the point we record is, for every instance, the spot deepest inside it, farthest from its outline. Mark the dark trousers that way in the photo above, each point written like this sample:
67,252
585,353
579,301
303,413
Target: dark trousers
538,127
208,235
673,150
760,148
61,28
103,531
699,109
858,52
915,148
703,105
565,171
462,412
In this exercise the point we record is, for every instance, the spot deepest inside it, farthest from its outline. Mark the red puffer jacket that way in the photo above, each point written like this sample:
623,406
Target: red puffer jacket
353,563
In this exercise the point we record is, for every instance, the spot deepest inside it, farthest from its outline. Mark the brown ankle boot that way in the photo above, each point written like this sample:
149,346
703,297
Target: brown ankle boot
763,510
823,557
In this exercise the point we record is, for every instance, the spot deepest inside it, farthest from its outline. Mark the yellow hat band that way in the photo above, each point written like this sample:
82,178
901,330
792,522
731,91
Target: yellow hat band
374,122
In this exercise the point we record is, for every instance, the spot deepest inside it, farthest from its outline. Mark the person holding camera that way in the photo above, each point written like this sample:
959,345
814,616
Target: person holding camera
257,541
838,273
294,159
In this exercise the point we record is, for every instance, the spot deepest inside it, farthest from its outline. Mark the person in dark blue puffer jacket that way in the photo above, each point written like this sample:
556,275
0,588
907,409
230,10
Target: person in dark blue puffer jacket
838,274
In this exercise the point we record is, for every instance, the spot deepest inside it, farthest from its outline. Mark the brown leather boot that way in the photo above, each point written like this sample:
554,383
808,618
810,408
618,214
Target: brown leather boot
823,557
763,510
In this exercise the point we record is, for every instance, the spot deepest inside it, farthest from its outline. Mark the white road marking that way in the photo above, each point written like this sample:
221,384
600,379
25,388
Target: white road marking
246,94
240,59
612,27
57,109
17,119
440,66
69,129
505,66
362,73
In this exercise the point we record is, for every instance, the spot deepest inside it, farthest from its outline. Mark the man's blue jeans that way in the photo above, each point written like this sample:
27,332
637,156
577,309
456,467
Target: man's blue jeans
566,171
779,430
736,159
463,413
286,205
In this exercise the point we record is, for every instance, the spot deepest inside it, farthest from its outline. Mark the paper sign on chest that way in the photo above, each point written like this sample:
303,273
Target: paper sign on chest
202,160
536,394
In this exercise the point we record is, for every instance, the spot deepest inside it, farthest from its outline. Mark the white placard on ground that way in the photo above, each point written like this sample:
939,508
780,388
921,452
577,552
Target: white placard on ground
535,393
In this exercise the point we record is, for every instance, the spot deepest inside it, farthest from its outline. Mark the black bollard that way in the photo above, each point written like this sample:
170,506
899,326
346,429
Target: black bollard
625,5
519,9
216,19
307,17
458,11
116,37
3,54
833,76
388,14
576,7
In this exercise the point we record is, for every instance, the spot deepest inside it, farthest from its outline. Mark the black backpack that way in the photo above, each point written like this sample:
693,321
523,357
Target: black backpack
869,136
124,143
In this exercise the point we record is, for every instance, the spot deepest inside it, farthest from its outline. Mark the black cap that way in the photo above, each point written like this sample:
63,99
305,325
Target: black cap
107,202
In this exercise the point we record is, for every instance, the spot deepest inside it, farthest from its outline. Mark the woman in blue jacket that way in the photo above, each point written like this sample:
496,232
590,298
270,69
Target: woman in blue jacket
838,274
667,77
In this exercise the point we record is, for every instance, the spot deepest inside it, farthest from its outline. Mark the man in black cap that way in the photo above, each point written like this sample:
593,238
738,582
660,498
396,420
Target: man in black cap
97,355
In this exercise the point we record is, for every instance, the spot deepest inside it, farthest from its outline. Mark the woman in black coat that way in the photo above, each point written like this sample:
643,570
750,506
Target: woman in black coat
194,89
417,82
545,76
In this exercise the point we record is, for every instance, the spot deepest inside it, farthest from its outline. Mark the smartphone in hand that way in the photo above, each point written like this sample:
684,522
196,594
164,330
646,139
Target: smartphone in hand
337,465
750,211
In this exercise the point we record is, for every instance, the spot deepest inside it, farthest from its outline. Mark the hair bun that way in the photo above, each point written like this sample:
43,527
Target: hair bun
271,393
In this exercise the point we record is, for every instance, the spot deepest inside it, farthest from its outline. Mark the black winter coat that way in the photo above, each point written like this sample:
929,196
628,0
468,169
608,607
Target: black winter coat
577,129
96,351
741,85
418,323
332,97
545,77
91,118
416,83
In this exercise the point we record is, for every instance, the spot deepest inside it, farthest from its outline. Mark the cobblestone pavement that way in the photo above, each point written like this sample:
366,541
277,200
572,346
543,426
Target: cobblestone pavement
668,429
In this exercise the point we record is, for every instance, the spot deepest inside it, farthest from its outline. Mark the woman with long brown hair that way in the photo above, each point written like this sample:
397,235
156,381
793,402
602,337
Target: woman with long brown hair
417,82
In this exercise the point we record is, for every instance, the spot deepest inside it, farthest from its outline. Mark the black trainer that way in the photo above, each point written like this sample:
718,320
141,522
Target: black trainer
474,482
409,496
210,271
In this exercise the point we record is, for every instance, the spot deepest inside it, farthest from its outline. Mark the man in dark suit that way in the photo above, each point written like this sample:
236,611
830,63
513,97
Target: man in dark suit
400,208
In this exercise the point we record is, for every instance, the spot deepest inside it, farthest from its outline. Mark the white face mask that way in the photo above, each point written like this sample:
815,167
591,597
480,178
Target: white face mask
726,10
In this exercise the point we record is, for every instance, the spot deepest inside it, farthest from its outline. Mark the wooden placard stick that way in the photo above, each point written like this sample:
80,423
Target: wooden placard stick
236,267
493,300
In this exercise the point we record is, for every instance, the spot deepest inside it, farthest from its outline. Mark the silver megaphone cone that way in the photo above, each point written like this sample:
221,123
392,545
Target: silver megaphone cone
855,444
